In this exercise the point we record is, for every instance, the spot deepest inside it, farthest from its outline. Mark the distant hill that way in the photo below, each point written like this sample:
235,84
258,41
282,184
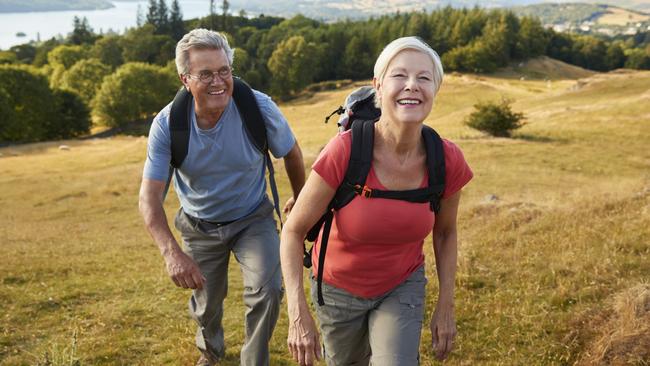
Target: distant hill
588,18
23,6
339,9
544,68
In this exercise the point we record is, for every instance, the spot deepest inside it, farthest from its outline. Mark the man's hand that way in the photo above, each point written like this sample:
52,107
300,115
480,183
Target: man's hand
183,270
289,205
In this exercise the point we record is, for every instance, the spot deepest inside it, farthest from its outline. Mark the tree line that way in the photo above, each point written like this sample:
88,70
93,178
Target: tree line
113,79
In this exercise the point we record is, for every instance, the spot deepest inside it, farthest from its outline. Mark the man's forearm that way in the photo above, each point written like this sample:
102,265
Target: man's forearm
156,223
295,168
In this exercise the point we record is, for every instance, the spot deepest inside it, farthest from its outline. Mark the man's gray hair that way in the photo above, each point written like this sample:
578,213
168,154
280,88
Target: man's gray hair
408,43
200,39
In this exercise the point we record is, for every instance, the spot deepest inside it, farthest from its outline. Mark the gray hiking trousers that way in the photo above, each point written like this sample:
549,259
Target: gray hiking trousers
381,331
255,244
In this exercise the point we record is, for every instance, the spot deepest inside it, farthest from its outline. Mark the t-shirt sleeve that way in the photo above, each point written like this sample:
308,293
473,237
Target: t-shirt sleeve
333,161
457,171
156,166
279,135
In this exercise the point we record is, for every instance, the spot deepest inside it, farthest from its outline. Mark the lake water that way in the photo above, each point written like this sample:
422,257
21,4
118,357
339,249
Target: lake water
53,23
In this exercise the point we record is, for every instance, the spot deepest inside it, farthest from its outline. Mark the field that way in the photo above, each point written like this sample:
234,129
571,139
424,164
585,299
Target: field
619,16
554,235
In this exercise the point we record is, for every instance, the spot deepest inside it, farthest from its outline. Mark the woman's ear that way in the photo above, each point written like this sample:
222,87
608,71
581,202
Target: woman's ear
377,86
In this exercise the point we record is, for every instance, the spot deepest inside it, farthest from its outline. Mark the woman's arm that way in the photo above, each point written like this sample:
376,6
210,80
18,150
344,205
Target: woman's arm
303,341
443,322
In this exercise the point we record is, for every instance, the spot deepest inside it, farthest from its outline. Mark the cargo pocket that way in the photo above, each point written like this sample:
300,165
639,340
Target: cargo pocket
337,304
411,305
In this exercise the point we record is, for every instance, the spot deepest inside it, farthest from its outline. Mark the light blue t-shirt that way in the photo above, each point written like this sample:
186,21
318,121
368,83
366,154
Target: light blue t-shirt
223,176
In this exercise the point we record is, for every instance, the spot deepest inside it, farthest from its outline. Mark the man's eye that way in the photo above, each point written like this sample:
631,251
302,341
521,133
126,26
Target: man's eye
204,75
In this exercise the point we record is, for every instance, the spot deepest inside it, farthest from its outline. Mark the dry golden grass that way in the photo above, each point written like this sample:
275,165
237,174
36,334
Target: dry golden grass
618,16
548,273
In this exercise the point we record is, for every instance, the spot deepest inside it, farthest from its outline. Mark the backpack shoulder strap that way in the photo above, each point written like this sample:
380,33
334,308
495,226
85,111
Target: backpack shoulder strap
363,139
435,164
256,128
179,126
250,113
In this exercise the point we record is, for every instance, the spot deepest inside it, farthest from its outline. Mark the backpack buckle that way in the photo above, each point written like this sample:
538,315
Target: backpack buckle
363,191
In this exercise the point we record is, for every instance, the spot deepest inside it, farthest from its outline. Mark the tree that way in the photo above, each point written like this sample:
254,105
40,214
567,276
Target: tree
212,22
162,23
241,62
82,33
615,57
358,58
25,53
71,116
152,13
85,78
176,25
143,45
63,58
637,58
292,64
8,57
531,39
26,102
225,5
42,50
497,119
135,91
66,55
108,50
139,17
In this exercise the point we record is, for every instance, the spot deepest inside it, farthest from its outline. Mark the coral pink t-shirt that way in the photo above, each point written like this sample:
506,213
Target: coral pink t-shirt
376,243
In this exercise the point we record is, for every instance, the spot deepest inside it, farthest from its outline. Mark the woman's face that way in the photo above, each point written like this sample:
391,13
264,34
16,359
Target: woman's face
406,90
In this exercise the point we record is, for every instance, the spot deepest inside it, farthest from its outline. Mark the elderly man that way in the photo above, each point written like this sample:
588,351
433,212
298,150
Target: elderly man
222,190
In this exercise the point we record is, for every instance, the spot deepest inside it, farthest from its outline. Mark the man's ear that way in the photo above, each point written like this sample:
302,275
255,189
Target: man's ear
184,80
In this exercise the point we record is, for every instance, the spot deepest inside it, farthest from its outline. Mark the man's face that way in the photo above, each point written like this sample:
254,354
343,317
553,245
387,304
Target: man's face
212,94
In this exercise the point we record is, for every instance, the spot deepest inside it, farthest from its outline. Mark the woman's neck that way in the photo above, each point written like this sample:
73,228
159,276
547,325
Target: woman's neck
402,139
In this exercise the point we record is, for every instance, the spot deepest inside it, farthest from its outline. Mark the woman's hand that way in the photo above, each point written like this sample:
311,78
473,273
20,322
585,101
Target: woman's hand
443,330
303,340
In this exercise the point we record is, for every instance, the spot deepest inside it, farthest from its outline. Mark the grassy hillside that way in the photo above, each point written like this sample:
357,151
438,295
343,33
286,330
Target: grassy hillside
554,270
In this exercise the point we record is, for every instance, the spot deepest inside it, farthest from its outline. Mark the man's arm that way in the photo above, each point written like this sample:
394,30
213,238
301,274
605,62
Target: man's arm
180,267
295,167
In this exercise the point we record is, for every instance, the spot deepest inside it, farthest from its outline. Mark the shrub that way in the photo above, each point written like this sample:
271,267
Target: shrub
85,78
497,119
26,102
135,91
31,111
71,118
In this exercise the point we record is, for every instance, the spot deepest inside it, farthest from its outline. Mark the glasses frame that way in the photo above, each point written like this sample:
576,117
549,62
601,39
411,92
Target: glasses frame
223,73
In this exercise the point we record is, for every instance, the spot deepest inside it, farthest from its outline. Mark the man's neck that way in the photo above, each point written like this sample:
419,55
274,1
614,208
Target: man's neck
207,119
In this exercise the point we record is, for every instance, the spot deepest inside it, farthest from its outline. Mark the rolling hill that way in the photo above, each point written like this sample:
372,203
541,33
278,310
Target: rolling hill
554,234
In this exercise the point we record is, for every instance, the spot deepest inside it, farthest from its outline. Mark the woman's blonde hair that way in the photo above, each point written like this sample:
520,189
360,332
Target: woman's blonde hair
408,43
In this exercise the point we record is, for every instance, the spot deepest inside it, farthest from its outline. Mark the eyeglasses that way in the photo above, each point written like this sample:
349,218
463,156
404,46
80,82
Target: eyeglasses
207,77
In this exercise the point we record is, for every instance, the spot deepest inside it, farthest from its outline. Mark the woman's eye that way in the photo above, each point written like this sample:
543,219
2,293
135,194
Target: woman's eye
398,75
426,78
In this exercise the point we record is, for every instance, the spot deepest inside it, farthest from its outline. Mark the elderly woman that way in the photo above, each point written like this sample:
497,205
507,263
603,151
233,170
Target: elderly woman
374,283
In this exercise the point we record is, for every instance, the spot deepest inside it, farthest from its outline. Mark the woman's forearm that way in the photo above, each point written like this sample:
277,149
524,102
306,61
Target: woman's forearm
446,252
291,257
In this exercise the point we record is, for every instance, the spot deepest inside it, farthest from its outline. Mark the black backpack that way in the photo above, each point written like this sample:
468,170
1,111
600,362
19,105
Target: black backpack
179,129
360,115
